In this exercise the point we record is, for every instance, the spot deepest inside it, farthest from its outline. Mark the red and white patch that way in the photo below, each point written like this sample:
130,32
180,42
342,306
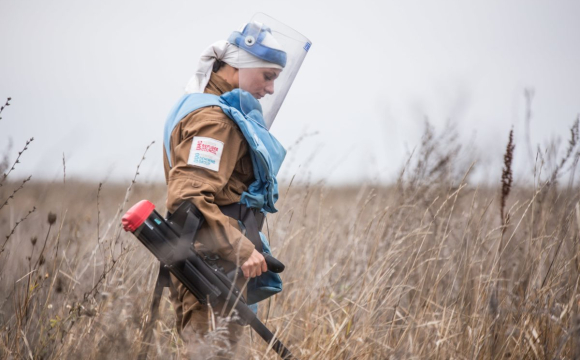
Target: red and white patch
206,153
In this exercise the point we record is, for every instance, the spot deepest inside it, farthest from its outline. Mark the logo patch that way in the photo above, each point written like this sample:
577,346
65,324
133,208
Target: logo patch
206,153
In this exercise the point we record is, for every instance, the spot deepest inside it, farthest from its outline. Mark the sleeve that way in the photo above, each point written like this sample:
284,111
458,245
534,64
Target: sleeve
205,155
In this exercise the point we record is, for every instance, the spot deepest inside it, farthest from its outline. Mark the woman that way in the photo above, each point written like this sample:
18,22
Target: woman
209,161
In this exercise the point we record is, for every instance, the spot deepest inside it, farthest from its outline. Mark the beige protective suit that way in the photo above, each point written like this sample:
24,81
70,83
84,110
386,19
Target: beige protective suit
220,182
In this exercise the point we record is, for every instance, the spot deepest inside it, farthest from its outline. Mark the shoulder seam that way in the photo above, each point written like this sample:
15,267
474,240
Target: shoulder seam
224,119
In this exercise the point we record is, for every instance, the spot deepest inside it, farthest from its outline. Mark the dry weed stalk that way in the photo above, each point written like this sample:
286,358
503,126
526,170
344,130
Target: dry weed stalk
124,251
17,161
506,179
5,105
11,196
3,167
14,229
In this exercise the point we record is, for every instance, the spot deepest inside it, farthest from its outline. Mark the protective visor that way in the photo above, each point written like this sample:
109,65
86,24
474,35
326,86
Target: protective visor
270,55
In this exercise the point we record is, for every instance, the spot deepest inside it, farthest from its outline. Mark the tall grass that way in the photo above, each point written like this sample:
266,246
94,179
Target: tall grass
433,266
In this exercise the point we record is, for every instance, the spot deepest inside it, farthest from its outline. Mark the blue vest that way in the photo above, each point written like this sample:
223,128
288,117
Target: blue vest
265,150
267,155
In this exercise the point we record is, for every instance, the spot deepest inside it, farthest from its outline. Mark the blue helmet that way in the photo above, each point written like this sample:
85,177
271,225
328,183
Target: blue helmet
257,39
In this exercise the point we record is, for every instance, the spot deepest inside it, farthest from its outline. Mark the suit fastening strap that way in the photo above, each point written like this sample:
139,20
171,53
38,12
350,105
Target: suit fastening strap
246,216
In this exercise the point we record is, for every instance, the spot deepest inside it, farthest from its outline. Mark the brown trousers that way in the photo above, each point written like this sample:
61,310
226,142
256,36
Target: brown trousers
194,322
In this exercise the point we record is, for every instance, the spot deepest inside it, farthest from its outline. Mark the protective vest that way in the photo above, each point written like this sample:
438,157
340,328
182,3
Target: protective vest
266,152
267,155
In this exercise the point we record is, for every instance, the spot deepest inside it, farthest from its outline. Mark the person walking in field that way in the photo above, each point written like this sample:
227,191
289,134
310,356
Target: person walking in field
220,155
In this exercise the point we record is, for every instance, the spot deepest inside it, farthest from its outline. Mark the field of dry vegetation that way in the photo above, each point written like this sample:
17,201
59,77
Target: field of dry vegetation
431,267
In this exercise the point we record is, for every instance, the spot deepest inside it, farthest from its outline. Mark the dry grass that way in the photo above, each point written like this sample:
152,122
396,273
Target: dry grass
430,267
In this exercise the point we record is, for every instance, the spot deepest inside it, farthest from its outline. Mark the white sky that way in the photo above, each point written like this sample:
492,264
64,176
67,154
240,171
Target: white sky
96,79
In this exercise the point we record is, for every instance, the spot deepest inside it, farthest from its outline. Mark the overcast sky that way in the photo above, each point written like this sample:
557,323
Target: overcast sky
95,79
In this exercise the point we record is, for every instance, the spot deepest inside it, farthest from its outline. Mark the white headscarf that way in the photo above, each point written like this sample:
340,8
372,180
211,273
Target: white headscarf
231,55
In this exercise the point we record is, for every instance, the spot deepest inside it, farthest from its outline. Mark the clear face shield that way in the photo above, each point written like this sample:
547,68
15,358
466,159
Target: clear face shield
270,55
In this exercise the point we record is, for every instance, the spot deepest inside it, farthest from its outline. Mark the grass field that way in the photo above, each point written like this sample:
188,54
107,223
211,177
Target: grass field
432,266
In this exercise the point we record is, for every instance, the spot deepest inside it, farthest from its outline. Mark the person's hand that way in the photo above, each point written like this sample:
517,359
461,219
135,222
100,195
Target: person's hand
255,265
